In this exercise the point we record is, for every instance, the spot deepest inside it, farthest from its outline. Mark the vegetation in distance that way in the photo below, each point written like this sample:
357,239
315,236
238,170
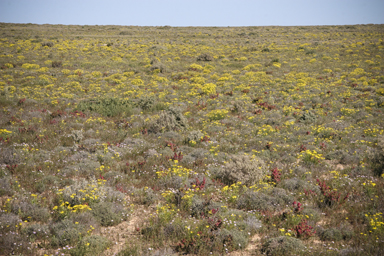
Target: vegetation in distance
125,140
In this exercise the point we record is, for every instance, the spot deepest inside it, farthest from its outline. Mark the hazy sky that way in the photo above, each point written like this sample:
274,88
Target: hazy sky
193,12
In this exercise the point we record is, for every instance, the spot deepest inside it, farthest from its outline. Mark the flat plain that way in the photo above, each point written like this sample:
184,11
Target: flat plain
126,140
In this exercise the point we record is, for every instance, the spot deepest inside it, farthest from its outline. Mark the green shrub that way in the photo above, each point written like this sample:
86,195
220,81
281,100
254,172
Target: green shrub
159,66
109,214
281,195
37,231
67,232
75,193
169,120
283,245
195,136
106,106
131,249
85,219
238,107
234,239
9,222
293,184
308,117
149,197
49,44
173,182
14,243
146,102
252,200
331,234
30,212
90,245
201,207
46,183
252,223
174,230
376,157
9,156
242,168
57,64
312,214
205,57
342,231
5,187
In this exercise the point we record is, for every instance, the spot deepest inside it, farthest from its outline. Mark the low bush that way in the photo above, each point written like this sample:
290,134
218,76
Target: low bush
205,57
90,245
251,200
283,245
30,212
377,157
242,168
67,232
5,187
169,120
9,222
106,106
37,231
109,214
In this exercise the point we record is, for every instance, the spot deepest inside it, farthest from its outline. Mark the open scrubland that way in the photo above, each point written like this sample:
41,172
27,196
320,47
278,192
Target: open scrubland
191,140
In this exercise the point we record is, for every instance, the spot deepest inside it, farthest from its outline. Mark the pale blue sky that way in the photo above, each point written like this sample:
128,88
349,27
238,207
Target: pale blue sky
193,12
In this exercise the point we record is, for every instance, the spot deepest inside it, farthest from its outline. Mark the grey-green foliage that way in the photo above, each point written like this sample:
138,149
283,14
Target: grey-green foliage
37,230
201,207
90,245
171,119
160,66
14,243
85,166
205,57
75,192
252,200
5,187
238,239
85,218
342,231
195,136
9,156
238,106
146,102
295,184
175,229
248,170
149,197
331,234
308,117
173,182
281,195
377,157
47,182
9,221
252,223
283,245
314,215
336,154
67,232
77,135
109,214
30,211
106,106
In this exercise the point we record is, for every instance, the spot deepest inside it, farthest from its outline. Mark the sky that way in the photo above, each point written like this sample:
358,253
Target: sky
193,13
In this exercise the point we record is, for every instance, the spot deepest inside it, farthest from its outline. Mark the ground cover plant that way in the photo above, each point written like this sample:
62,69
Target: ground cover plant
207,141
